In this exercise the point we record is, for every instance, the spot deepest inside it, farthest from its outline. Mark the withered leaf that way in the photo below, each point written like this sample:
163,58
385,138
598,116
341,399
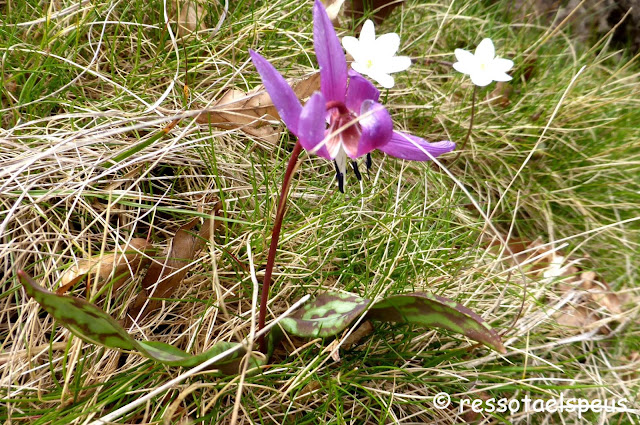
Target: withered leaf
380,8
251,111
501,94
190,16
600,292
166,273
127,259
333,8
577,317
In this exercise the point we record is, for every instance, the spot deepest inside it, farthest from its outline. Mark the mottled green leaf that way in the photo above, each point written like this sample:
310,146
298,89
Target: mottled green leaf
330,313
435,311
80,317
325,315
95,326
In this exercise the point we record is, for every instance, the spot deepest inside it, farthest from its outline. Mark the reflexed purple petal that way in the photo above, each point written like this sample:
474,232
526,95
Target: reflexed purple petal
333,65
376,126
282,95
359,90
400,147
312,122
323,152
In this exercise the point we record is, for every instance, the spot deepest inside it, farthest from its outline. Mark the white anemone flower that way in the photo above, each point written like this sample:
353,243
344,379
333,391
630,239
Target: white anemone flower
483,67
375,57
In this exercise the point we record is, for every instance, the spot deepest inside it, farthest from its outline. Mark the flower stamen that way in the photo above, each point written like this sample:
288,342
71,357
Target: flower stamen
356,171
339,177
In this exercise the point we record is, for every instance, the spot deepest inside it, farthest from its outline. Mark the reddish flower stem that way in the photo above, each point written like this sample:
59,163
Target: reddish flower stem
275,237
473,112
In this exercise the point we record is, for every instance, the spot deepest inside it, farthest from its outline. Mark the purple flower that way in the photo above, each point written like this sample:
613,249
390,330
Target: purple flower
343,120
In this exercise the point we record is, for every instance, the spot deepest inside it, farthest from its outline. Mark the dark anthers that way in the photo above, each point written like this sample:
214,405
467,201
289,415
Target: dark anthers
339,177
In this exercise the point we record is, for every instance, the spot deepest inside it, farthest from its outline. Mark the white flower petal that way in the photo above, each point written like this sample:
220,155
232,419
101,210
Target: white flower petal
387,44
352,46
500,76
464,55
385,80
465,67
368,32
485,51
360,67
501,65
481,79
395,64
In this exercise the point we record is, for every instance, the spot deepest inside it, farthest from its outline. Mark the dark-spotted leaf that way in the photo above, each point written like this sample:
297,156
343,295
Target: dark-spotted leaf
95,326
326,315
331,313
80,317
435,311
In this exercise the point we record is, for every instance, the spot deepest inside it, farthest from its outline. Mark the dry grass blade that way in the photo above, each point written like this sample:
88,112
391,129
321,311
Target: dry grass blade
166,273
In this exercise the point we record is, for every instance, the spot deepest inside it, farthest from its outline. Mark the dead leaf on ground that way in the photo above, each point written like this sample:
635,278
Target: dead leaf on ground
190,16
333,8
166,273
568,275
632,362
600,292
382,8
251,111
526,252
125,261
579,317
470,415
365,329
501,94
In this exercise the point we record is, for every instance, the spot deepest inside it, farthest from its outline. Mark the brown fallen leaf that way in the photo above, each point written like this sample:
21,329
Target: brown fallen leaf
529,67
576,317
334,350
382,8
366,328
166,273
632,362
333,8
127,259
568,276
190,16
472,416
501,94
251,111
600,292
524,250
